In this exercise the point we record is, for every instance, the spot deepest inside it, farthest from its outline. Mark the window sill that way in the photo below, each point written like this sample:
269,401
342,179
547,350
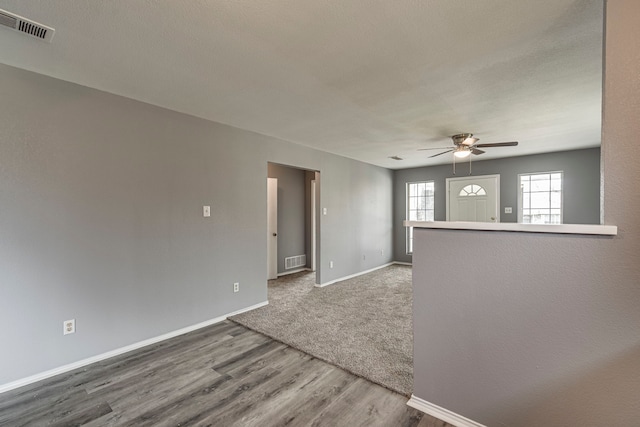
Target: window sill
602,230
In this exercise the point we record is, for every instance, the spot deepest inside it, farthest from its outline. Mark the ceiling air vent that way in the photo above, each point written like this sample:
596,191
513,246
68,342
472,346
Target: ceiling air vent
25,26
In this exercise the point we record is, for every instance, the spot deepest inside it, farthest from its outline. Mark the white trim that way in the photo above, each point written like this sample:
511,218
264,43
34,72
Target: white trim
272,228
312,228
297,270
322,285
402,263
602,230
441,413
75,365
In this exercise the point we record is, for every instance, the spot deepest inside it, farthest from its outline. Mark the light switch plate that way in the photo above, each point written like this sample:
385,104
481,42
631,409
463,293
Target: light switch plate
206,211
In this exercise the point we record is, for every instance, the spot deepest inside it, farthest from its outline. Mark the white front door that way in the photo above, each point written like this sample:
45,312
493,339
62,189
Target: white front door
272,228
475,199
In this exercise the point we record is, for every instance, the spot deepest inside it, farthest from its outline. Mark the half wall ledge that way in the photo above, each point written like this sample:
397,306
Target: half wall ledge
593,229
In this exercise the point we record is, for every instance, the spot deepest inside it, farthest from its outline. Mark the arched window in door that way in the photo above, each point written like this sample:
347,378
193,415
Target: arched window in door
472,190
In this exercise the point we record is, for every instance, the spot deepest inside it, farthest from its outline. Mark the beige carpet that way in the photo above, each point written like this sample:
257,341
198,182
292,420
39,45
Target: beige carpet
362,324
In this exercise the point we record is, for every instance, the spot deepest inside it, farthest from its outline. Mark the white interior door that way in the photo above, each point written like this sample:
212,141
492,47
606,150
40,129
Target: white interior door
475,199
272,228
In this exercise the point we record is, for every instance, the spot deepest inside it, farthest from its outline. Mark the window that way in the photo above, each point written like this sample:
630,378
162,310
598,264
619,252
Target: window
419,206
472,190
540,198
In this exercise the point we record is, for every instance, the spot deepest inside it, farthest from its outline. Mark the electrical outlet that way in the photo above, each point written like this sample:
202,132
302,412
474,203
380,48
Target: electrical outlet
508,210
330,264
69,327
236,287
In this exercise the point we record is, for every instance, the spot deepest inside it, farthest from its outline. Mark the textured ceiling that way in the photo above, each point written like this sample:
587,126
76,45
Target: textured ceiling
364,79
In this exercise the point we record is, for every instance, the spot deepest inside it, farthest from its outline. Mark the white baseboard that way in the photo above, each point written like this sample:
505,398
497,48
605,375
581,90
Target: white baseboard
322,285
402,263
441,413
70,367
297,270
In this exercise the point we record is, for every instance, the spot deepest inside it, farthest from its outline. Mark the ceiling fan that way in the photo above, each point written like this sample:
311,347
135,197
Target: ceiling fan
465,145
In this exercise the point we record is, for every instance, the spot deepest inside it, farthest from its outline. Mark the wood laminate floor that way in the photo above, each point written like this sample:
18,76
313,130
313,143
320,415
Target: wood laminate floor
221,375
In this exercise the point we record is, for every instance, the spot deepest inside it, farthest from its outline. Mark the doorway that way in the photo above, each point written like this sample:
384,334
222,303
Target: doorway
475,199
292,220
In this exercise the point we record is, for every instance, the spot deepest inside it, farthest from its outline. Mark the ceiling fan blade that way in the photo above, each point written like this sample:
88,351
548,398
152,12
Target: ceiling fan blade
476,151
499,144
439,154
434,148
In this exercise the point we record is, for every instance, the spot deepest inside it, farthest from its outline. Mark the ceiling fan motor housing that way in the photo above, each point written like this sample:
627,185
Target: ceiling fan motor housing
464,138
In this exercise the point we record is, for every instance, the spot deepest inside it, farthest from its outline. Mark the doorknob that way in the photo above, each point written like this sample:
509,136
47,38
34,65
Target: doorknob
275,234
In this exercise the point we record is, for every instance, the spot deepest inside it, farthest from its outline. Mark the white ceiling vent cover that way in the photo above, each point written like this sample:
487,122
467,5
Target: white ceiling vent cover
25,26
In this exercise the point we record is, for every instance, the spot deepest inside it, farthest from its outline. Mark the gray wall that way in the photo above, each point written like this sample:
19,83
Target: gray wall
581,188
292,223
101,219
543,329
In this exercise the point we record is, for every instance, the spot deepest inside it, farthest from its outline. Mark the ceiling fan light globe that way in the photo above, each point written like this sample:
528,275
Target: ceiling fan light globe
461,154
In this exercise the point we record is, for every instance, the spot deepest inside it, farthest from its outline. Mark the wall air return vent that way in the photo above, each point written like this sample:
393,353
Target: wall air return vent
295,261
25,26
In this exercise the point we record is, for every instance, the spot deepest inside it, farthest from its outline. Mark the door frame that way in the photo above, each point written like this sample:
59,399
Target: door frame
313,224
469,178
272,222
312,214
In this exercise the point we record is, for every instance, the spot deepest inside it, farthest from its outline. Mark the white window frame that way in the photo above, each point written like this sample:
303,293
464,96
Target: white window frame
520,193
409,235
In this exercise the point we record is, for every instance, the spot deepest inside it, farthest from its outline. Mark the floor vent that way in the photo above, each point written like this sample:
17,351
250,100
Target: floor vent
25,26
295,261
